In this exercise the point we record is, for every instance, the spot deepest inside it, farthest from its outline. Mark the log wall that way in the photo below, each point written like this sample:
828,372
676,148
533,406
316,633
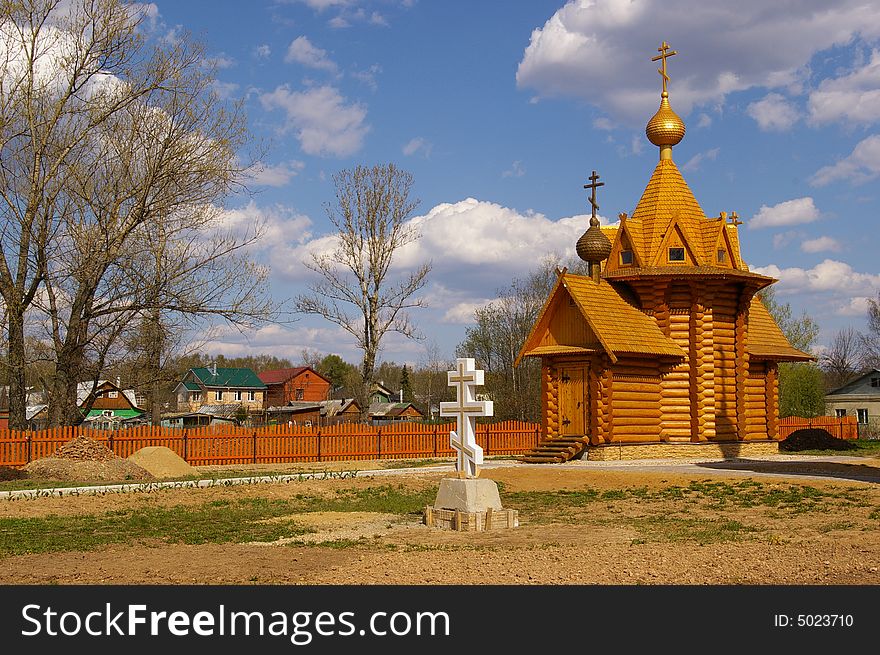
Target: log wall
675,392
636,400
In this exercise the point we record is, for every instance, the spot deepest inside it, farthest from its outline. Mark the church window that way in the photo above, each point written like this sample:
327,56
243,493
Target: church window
626,257
676,254
722,255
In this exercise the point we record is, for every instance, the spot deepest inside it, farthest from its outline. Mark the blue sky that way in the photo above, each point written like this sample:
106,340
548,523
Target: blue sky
500,110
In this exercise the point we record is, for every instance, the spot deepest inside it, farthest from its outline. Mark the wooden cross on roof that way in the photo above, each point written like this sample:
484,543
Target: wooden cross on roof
594,183
734,219
664,54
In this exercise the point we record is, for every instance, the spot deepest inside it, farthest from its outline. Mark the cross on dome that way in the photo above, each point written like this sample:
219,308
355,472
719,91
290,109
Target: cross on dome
663,56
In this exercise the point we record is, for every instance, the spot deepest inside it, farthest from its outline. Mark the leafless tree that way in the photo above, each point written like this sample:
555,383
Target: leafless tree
116,159
871,340
355,289
843,359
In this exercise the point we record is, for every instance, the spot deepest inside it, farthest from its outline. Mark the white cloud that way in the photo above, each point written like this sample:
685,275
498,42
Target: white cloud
637,144
283,227
279,175
862,165
829,275
773,113
324,124
463,312
857,306
262,51
603,123
784,238
302,51
416,145
515,170
368,76
694,162
225,90
321,5
821,244
704,120
852,98
585,50
790,212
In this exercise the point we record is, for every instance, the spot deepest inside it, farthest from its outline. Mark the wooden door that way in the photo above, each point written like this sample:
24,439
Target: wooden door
573,401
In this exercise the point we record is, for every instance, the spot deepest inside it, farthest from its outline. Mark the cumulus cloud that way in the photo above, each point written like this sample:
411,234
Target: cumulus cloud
790,212
323,122
585,49
829,275
278,175
302,51
820,244
852,98
475,246
773,113
694,162
416,145
862,165
463,312
857,306
704,120
262,51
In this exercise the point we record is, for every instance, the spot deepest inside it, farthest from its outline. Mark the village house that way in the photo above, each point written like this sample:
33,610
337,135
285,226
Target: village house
666,350
112,407
300,384
221,391
859,397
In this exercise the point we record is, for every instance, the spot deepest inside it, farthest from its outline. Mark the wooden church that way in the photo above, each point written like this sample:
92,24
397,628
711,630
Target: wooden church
664,351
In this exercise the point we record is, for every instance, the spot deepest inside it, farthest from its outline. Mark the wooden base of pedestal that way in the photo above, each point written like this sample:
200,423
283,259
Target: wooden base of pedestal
491,519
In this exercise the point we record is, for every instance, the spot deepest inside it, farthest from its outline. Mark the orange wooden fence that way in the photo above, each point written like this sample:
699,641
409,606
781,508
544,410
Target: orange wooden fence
276,444
842,427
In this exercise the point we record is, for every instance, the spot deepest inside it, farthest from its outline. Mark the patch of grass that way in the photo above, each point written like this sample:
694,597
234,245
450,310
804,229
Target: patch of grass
219,521
412,463
858,448
703,531
840,525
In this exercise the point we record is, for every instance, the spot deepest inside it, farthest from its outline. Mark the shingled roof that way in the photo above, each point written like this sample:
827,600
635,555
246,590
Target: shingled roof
619,327
235,378
766,340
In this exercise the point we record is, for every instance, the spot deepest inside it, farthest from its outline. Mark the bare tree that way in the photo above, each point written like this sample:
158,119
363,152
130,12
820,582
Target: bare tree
355,290
116,159
871,340
843,359
56,58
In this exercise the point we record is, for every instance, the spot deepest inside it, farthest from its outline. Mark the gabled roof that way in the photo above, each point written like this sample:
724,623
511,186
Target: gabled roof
390,409
856,382
192,386
334,407
83,389
766,340
619,327
282,375
239,378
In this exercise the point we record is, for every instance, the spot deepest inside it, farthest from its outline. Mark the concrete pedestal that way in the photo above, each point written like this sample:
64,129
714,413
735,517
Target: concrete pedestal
468,495
469,505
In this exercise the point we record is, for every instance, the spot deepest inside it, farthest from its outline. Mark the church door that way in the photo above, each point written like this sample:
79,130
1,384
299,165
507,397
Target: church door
573,401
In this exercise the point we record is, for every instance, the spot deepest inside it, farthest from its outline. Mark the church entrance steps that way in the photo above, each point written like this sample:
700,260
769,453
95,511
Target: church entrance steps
555,450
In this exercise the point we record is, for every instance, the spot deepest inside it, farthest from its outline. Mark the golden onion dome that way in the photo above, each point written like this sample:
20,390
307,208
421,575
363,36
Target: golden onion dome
593,246
665,127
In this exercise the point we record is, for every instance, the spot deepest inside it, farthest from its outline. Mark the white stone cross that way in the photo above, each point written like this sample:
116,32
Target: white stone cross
466,409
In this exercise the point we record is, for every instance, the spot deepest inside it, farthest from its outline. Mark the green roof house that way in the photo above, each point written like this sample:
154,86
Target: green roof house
204,388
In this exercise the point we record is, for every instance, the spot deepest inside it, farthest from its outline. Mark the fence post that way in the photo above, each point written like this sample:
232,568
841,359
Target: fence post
379,442
435,440
185,448
254,446
319,444
30,446
110,439
488,437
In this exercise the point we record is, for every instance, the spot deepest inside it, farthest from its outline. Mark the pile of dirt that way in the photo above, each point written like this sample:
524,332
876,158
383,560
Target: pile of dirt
83,449
162,462
813,439
86,460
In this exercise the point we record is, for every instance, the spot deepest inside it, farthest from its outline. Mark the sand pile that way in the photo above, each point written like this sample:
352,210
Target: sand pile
162,462
85,460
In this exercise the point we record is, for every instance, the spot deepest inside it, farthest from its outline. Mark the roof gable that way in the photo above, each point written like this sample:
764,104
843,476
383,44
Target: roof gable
860,385
282,375
618,326
666,197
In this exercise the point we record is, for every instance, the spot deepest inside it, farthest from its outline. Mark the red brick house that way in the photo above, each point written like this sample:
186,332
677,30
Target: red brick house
301,384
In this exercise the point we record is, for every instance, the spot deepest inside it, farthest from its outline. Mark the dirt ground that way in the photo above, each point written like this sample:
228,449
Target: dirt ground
598,543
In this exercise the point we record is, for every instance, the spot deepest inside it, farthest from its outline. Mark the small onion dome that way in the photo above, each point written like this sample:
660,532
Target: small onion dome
665,128
593,246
